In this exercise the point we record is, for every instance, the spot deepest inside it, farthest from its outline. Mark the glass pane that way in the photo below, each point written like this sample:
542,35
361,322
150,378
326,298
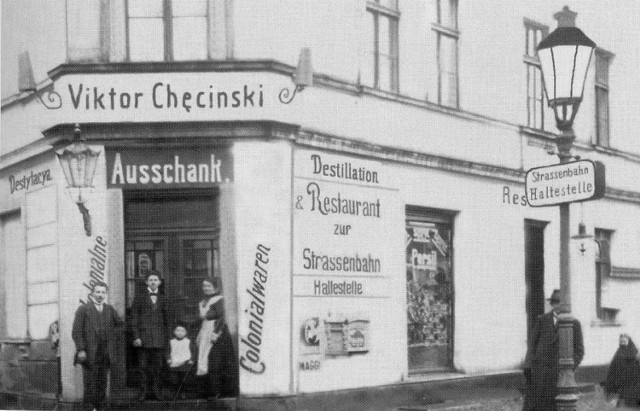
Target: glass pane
209,263
448,13
144,261
384,48
429,294
368,69
205,244
448,71
191,8
131,292
192,287
201,259
146,39
216,262
145,245
602,111
602,69
160,262
390,4
190,38
131,264
188,259
145,8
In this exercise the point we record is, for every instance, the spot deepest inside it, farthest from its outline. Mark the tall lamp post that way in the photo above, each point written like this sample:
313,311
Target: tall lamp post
565,55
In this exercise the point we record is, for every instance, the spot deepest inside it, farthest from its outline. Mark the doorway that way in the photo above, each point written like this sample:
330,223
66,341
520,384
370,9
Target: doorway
430,293
534,271
176,233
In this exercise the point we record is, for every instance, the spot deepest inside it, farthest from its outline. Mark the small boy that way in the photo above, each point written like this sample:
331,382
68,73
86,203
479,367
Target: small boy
180,359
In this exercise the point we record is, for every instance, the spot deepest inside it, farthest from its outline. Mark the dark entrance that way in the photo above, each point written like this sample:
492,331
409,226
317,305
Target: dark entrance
534,271
176,233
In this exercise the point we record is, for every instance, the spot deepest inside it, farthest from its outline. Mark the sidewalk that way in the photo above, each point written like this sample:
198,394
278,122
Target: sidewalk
511,400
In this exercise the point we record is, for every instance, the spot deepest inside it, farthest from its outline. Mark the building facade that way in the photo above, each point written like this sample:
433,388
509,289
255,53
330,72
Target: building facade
370,229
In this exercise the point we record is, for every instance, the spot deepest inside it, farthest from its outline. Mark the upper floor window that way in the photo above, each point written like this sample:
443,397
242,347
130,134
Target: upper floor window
603,273
382,52
167,30
534,33
447,35
603,59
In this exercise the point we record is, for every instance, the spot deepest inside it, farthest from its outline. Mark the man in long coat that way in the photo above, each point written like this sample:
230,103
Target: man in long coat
94,335
149,311
541,361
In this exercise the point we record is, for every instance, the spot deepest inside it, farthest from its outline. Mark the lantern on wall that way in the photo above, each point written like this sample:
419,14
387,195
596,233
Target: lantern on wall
78,163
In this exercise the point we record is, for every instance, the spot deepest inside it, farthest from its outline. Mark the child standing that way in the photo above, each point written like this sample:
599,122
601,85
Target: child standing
180,359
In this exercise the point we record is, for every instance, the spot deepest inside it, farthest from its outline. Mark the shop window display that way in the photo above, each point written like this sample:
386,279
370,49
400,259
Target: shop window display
429,295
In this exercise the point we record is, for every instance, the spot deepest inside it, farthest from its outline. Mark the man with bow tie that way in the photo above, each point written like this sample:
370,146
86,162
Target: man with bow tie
541,361
149,315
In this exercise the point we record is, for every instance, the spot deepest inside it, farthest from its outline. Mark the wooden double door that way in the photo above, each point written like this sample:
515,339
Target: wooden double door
175,233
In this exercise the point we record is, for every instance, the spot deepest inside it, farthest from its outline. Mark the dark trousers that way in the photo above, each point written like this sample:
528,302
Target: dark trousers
95,379
150,362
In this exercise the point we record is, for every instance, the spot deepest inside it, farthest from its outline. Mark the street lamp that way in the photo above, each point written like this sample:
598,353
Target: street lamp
78,164
564,56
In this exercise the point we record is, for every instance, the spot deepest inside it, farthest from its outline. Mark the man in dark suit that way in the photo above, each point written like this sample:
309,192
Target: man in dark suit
94,335
149,311
541,361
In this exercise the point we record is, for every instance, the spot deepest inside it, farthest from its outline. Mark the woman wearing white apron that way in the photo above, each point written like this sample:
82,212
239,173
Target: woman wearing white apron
217,366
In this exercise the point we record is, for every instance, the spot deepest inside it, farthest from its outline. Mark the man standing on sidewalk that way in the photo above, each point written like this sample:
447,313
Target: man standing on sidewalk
541,361
94,335
149,310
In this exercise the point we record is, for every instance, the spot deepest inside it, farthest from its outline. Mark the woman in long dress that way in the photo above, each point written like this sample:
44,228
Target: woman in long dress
623,377
217,365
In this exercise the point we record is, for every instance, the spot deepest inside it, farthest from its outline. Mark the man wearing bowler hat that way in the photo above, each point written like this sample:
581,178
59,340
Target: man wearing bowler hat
541,361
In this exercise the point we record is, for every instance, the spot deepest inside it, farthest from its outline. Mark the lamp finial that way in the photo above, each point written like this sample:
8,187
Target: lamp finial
566,17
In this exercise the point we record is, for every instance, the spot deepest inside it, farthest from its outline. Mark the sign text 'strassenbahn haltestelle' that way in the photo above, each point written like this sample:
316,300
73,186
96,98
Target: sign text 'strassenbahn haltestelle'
564,183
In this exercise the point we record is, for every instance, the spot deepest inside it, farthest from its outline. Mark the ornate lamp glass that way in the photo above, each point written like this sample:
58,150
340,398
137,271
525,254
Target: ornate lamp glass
565,55
78,163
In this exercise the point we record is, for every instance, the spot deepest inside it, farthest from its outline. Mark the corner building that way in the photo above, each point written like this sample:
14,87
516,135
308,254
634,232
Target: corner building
372,232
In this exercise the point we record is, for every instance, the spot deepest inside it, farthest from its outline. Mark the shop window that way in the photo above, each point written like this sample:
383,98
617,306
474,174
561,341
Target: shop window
603,274
534,33
430,294
167,30
447,36
13,324
603,59
381,70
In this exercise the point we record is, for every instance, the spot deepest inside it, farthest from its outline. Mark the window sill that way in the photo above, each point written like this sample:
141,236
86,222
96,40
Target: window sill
605,324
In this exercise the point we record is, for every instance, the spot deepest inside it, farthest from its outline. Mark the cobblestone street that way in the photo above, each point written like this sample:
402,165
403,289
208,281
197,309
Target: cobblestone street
590,401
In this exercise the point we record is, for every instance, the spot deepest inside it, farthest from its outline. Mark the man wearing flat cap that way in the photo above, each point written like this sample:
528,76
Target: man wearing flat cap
541,361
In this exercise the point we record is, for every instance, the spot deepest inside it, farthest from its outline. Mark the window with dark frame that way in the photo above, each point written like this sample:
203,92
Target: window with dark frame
534,33
382,69
603,59
167,30
603,272
447,36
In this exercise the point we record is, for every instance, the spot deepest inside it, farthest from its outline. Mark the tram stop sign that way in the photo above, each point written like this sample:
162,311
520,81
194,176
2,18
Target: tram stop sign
565,183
